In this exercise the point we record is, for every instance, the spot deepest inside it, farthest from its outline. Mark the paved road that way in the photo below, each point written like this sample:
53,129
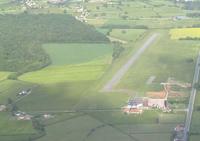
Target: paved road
120,73
192,100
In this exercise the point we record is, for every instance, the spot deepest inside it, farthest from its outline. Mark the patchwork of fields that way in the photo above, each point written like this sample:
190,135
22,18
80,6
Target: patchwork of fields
72,62
81,61
68,54
165,59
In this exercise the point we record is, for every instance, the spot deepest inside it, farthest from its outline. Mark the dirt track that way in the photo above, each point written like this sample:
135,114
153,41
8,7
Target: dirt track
122,71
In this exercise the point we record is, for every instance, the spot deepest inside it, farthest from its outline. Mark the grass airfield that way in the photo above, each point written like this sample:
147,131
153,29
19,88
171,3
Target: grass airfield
78,72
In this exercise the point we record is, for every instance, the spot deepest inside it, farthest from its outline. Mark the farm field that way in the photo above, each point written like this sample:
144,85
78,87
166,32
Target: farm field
185,33
64,53
69,66
158,59
67,54
8,125
6,91
12,130
79,72
127,34
3,75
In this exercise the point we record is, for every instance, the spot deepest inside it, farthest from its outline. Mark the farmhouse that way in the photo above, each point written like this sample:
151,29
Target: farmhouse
153,100
22,116
135,106
157,99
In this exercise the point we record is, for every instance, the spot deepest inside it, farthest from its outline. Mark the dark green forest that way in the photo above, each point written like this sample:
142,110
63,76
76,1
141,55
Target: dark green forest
22,36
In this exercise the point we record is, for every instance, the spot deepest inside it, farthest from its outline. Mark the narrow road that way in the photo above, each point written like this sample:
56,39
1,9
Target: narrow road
192,100
121,72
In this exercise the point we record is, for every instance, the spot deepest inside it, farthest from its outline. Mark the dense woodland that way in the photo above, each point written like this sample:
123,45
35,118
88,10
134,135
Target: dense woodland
21,38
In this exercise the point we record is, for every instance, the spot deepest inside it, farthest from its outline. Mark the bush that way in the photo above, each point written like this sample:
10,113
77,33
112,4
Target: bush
117,50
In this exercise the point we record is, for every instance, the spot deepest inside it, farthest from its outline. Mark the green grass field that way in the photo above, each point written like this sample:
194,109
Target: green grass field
165,58
3,75
10,88
83,128
79,70
67,66
65,74
9,126
65,54
127,34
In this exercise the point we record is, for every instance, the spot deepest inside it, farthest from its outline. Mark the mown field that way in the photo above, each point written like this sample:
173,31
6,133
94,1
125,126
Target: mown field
82,63
127,34
184,33
165,58
68,66
67,54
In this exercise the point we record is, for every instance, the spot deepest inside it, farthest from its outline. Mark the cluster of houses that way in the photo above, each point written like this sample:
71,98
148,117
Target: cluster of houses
57,1
157,99
153,100
83,13
31,4
179,132
22,115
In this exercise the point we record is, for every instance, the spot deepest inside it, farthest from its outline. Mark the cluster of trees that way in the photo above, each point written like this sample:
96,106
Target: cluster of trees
12,107
193,15
190,38
22,36
113,26
192,5
117,50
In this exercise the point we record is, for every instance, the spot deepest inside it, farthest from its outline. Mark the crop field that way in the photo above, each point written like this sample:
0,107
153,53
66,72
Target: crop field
184,33
127,34
65,74
65,54
68,66
80,59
